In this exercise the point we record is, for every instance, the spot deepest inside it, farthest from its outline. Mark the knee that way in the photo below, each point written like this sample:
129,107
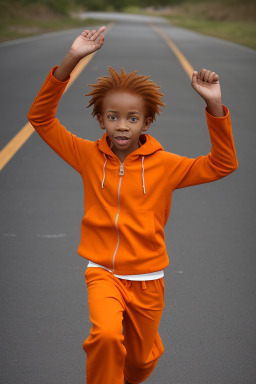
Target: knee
105,339
109,336
142,359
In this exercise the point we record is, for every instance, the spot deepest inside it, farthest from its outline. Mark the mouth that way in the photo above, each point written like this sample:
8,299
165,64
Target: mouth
121,140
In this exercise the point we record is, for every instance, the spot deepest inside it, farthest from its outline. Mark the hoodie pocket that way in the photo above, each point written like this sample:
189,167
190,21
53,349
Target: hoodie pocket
137,231
98,235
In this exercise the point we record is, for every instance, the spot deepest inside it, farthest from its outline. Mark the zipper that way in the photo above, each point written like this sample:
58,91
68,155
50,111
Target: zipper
121,173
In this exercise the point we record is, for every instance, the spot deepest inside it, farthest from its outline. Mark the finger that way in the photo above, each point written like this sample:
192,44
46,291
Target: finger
90,34
211,77
101,40
85,32
202,73
216,78
206,76
97,33
98,43
194,78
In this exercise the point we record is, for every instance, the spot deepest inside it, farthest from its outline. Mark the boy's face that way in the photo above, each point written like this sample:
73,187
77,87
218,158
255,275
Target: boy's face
124,118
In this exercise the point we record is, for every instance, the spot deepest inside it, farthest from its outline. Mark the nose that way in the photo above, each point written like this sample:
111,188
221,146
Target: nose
122,126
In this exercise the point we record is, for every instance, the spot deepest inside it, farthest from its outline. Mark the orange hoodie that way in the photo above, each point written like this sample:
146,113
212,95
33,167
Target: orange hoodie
126,205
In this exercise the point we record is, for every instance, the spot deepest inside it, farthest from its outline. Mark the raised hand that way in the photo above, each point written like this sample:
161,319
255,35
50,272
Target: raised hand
88,42
207,85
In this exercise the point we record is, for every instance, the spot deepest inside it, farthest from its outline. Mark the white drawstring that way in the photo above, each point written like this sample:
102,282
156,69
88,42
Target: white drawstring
102,185
143,181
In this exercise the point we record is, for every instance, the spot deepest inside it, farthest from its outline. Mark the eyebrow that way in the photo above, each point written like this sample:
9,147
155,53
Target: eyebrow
131,113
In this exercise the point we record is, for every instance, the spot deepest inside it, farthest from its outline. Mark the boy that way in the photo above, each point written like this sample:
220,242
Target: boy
128,182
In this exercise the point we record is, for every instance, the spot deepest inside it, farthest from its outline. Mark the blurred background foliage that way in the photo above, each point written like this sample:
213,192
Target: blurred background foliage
233,20
64,6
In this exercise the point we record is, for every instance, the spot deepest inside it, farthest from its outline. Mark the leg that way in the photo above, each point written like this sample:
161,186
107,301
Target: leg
104,346
140,328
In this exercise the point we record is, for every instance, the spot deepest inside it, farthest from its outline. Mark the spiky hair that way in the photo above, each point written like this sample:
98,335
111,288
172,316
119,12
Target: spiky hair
131,82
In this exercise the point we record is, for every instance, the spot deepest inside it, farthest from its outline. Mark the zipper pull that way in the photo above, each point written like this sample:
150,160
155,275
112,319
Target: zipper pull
121,172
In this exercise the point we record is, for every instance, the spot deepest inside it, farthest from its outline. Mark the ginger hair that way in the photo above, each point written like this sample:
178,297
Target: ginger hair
130,82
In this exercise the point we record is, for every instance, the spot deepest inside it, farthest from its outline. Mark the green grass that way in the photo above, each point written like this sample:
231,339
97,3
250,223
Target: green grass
132,9
18,28
17,20
233,20
239,32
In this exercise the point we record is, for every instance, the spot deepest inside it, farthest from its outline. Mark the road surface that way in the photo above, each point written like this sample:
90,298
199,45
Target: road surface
208,326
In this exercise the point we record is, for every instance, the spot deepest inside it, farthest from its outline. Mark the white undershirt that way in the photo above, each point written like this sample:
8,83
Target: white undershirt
141,277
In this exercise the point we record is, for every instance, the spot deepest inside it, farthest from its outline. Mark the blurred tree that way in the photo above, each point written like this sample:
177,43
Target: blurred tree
62,6
119,5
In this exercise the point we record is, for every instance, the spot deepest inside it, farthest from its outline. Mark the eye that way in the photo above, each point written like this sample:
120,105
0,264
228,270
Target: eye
133,119
112,117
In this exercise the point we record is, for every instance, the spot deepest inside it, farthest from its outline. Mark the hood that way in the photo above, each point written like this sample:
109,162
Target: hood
148,146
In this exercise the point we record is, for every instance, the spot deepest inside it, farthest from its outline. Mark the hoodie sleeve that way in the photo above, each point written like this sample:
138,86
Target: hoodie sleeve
220,162
41,115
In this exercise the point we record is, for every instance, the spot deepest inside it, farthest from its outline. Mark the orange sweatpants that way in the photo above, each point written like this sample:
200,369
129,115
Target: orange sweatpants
124,341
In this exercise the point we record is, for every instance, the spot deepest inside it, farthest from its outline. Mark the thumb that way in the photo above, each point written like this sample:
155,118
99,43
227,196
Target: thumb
194,79
101,39
99,42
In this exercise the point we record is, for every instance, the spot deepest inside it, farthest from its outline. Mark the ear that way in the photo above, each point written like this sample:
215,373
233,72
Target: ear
147,123
100,120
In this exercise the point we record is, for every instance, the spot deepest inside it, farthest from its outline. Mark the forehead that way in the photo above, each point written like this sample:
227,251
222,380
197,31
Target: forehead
123,101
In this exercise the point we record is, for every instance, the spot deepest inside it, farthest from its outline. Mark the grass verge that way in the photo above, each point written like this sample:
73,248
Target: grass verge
24,22
232,20
236,31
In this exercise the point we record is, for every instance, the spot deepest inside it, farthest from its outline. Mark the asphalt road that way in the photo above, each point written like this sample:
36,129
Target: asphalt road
208,326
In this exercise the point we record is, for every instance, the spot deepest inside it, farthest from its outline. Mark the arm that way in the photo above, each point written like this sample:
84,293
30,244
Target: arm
42,112
222,160
85,44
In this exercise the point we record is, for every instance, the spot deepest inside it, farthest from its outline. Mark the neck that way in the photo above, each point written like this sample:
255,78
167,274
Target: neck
123,154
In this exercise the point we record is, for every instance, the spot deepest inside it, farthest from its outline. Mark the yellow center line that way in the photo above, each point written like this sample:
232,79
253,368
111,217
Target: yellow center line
24,134
182,59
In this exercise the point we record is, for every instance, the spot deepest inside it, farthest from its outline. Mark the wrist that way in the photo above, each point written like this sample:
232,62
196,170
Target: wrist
214,102
73,56
66,67
215,108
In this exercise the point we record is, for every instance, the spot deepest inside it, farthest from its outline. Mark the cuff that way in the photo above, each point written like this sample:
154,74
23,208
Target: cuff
214,117
54,78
